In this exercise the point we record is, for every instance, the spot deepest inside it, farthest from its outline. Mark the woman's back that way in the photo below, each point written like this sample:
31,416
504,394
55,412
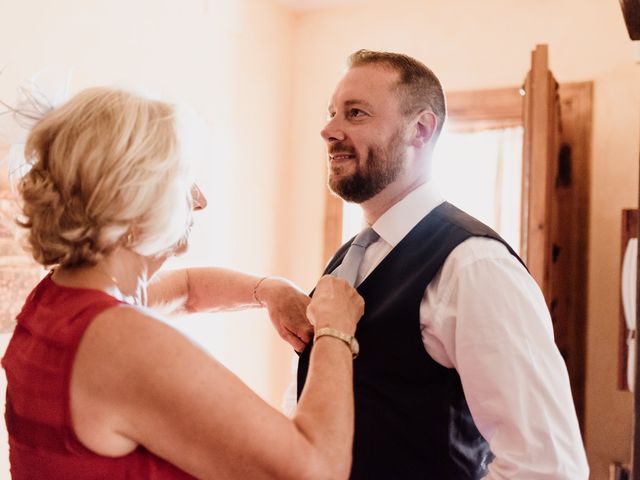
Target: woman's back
38,364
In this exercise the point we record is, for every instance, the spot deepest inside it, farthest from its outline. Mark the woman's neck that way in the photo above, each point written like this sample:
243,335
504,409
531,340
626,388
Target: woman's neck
122,274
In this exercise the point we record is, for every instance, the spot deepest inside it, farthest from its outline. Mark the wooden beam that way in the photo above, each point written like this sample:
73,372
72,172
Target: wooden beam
470,111
570,232
635,469
332,226
540,117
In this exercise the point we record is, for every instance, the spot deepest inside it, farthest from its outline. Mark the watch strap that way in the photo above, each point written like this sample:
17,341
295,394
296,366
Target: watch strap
350,340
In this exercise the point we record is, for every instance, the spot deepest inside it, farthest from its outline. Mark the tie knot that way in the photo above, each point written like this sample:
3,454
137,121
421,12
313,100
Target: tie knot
348,270
366,237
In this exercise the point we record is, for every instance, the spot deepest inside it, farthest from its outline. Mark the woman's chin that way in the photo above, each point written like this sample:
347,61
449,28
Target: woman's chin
181,248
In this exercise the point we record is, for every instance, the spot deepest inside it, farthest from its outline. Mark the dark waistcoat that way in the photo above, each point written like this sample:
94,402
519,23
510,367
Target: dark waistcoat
411,417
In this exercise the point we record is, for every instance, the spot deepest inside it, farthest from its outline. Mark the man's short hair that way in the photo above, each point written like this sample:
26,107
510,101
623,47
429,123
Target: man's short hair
418,88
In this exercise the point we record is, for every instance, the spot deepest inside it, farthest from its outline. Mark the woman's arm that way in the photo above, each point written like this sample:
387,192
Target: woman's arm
210,289
138,381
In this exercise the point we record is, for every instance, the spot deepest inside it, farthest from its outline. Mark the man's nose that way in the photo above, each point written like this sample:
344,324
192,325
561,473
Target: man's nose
332,131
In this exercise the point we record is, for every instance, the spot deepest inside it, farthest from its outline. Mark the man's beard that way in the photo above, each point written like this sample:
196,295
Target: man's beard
383,165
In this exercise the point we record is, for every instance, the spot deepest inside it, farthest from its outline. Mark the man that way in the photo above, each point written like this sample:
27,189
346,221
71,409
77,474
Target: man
458,375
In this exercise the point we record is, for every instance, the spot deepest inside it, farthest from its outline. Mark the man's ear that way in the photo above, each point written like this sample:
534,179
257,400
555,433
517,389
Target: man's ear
425,127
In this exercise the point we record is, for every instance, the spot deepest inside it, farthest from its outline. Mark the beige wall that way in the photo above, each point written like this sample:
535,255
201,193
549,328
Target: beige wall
474,45
230,60
487,44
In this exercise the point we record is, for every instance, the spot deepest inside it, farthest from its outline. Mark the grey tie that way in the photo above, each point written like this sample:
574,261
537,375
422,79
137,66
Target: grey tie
350,265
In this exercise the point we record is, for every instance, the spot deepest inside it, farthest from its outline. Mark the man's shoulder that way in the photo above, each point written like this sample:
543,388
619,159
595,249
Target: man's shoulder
449,213
486,256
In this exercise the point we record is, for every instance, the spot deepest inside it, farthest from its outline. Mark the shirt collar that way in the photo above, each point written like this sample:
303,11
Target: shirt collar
395,223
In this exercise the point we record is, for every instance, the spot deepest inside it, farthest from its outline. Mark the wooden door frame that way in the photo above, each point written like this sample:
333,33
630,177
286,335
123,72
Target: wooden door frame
570,233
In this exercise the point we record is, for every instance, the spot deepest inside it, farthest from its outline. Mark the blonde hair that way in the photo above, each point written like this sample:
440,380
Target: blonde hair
107,170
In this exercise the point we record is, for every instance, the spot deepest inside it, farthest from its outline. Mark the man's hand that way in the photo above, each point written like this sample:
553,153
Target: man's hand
287,307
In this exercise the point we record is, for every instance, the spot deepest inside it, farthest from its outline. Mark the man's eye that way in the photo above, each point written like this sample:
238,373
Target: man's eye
356,112
330,115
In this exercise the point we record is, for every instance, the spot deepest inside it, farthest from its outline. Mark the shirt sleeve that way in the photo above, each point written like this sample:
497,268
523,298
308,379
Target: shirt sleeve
484,315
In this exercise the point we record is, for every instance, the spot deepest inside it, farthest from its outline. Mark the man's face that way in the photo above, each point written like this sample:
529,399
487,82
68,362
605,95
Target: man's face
365,134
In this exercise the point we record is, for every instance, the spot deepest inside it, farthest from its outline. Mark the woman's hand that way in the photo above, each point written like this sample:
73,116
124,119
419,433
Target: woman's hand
335,304
287,307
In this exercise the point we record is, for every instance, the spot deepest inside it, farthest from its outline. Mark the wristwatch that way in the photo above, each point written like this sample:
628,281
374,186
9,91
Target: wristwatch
350,340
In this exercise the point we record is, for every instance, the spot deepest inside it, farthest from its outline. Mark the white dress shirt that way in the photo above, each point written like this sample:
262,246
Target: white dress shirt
485,316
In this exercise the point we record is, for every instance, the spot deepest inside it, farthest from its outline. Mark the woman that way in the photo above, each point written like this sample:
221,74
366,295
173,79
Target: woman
98,387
